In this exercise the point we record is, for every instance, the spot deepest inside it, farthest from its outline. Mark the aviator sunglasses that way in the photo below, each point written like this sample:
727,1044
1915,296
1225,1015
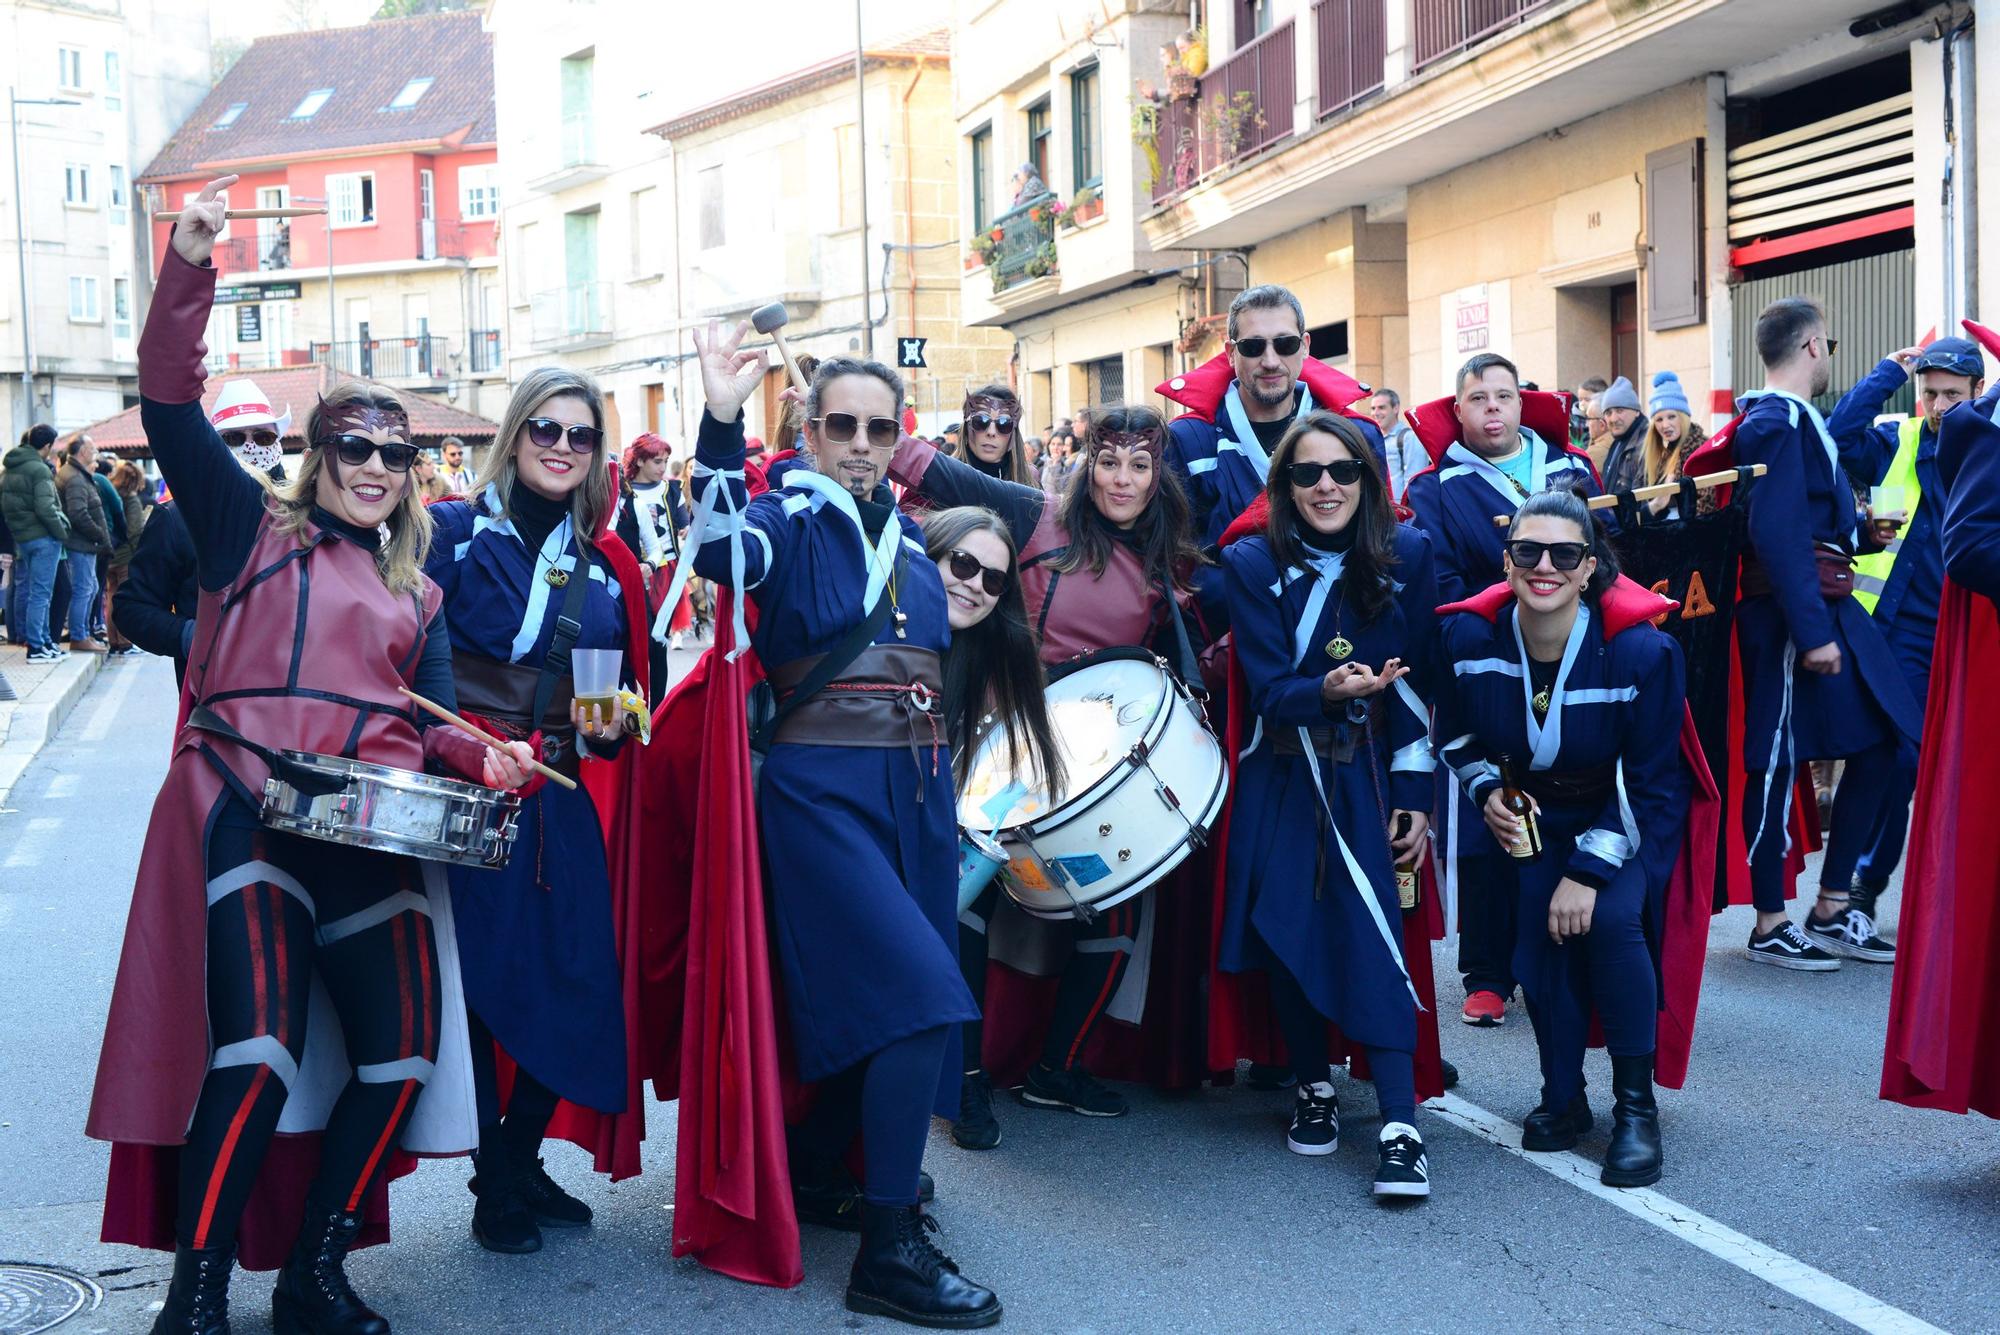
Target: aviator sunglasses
1286,344
964,565
242,436
1564,556
981,421
546,431
354,451
839,429
1346,472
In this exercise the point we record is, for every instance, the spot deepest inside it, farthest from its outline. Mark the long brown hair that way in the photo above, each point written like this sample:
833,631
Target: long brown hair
1366,582
1014,463
994,667
1161,531
401,558
590,504
1661,461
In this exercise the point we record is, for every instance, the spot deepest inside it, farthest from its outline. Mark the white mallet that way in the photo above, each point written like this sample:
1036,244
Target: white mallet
771,320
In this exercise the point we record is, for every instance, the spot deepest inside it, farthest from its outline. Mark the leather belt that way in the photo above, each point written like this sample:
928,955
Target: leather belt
890,696
502,693
1328,742
1573,787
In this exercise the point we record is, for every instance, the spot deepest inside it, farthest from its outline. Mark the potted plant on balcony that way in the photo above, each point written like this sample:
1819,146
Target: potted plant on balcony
1087,205
1043,262
1146,131
1227,122
982,249
1047,214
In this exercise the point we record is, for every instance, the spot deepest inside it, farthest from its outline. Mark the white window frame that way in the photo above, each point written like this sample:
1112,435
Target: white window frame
342,215
76,186
479,192
422,83
121,324
69,69
318,98
85,285
114,81
229,115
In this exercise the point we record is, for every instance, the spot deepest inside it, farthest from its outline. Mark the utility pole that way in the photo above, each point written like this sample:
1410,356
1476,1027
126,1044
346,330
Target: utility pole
14,104
861,152
332,311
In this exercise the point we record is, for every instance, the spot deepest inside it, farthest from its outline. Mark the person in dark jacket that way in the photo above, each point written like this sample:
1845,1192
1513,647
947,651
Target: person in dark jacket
128,484
88,536
154,607
114,524
1625,419
29,500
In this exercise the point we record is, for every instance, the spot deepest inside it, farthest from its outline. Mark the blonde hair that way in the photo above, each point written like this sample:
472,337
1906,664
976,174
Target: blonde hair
1660,460
401,558
590,505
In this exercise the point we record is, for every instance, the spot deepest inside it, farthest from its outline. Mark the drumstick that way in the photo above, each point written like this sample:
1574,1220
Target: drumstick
1702,483
174,215
486,737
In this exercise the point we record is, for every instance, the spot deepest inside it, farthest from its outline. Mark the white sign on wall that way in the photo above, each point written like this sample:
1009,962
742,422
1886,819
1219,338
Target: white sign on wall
1475,319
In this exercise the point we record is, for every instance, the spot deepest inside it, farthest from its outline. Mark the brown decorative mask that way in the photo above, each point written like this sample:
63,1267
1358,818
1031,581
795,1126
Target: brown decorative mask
1152,442
358,417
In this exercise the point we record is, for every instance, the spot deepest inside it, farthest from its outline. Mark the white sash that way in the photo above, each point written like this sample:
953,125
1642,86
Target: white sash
1245,438
1799,405
1538,468
1545,738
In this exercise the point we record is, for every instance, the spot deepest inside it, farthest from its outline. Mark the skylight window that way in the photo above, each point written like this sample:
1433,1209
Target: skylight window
228,117
310,104
412,92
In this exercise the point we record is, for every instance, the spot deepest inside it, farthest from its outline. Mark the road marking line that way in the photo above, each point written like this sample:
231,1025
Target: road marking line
109,706
1694,1228
63,785
28,848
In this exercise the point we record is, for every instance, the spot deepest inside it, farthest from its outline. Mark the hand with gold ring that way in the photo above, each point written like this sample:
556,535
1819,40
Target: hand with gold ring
593,725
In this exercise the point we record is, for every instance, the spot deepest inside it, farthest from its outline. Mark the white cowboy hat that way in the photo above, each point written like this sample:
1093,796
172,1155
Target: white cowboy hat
242,405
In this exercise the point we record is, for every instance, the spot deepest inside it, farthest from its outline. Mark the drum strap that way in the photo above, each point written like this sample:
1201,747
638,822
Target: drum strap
569,625
310,782
1187,666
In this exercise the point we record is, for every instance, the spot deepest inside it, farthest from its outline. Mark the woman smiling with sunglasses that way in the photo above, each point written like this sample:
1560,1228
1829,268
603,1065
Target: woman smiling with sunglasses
1331,607
529,574
990,439
1561,676
314,613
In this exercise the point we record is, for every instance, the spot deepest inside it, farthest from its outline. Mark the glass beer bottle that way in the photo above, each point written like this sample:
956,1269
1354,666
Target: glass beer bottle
1528,845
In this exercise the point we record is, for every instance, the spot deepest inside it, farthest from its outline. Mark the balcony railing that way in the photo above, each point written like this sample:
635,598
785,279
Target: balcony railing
1240,107
483,345
1352,47
1446,27
417,357
248,254
578,313
1026,248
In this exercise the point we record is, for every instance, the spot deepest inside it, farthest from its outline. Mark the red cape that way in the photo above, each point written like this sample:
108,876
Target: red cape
1943,1047
1201,390
1683,947
1544,412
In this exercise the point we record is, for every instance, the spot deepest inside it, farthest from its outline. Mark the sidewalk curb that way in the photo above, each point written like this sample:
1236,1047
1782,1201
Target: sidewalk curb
37,719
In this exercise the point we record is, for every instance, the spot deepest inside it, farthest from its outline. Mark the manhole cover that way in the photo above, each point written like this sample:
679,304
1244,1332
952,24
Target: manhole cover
35,1298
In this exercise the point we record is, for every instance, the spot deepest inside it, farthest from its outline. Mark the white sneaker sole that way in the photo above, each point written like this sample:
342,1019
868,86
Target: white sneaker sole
1482,1021
1312,1151
1840,946
1402,1189
1792,962
1059,1105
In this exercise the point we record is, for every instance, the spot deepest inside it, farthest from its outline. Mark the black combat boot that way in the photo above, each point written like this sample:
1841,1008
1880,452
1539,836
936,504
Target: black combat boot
1633,1157
312,1296
198,1299
900,1273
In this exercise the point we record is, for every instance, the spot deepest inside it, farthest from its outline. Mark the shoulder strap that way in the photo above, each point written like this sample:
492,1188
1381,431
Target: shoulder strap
569,625
832,665
1187,666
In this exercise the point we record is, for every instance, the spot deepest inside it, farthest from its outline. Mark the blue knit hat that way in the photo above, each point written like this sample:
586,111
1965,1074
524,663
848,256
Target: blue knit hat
1667,393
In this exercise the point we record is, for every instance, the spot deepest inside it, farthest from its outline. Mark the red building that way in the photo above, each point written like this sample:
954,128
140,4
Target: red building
390,127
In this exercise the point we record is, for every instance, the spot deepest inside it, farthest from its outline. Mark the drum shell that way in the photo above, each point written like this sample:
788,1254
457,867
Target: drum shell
392,811
1120,832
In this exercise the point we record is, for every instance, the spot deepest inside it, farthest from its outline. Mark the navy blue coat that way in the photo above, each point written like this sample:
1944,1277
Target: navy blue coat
1971,477
1310,877
1455,501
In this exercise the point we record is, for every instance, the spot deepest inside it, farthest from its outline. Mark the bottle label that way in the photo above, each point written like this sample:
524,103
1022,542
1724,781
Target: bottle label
1406,887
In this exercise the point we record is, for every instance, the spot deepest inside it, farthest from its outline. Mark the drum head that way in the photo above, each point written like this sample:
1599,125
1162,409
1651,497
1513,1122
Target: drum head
1098,713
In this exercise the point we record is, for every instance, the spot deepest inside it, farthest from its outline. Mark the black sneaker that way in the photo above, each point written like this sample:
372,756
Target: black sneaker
1315,1121
1269,1075
976,1128
1403,1169
48,653
1074,1090
1851,932
1788,948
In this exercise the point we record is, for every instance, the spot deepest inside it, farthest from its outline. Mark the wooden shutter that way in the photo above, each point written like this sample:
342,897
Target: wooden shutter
1673,237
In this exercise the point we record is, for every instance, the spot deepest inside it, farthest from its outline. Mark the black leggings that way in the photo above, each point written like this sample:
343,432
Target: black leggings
280,908
1103,949
530,1105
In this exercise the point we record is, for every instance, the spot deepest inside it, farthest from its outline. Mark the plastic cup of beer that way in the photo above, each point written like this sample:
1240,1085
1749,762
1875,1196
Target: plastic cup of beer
595,672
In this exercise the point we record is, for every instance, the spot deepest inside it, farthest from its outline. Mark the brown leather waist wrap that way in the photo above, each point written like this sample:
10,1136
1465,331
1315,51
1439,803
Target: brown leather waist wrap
890,696
1835,567
504,692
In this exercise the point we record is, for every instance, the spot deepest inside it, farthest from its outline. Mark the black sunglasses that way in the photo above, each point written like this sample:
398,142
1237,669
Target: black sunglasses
546,431
964,565
237,439
1565,556
1346,472
354,451
1832,344
981,421
839,429
1286,344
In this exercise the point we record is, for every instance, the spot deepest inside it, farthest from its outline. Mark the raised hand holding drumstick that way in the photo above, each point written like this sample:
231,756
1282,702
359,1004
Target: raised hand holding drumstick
202,220
729,375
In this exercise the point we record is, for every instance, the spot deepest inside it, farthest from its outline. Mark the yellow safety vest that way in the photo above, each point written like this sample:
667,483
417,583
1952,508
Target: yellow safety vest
1900,491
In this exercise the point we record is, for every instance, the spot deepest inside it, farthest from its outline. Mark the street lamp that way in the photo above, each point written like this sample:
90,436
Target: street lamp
332,318
14,103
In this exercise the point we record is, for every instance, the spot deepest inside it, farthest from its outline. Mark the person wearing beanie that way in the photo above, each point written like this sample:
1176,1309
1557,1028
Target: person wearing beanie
1625,419
1672,435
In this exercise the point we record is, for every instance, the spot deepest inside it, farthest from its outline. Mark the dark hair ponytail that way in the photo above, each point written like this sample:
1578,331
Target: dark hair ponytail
1571,504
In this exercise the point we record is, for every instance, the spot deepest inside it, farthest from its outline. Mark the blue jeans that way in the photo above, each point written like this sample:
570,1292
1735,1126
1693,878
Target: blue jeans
35,562
82,592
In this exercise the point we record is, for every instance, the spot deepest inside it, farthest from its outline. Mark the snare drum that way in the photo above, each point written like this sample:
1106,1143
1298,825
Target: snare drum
1146,783
980,858
396,811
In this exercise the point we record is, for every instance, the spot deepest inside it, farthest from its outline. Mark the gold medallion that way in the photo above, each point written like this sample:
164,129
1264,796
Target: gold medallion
557,577
1339,647
1541,702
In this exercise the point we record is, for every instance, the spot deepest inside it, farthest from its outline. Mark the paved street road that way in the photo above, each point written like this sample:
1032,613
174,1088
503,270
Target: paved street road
1188,1215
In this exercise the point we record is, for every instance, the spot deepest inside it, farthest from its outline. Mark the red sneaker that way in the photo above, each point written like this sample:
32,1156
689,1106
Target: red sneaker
1485,1009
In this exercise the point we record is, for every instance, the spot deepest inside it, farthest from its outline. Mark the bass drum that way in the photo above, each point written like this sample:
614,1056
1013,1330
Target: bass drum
1145,784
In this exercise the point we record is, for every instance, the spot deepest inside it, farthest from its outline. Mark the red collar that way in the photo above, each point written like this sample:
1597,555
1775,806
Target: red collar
1201,390
1544,412
1624,605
